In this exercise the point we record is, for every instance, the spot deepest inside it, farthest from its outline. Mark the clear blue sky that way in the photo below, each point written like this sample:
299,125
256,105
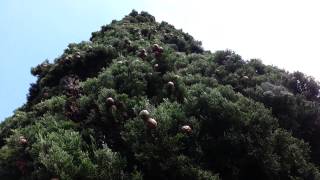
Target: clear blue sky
283,33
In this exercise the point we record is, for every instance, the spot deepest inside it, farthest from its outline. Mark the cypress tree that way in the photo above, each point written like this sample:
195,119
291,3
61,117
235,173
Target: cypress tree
143,100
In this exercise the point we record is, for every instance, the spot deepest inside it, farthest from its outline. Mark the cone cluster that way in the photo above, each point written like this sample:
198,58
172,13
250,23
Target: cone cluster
150,122
156,49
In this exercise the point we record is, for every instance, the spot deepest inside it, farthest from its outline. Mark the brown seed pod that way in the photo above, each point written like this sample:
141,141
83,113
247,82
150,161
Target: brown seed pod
23,140
157,50
155,47
156,67
151,123
186,129
110,101
143,53
170,85
144,114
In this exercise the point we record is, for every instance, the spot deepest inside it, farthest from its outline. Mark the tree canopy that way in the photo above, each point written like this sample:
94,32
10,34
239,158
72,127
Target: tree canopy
143,100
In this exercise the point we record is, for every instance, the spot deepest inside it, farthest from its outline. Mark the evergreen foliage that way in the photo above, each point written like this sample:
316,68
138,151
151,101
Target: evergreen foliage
143,100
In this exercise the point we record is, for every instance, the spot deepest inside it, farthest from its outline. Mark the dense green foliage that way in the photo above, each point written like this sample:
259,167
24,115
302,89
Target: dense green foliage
241,119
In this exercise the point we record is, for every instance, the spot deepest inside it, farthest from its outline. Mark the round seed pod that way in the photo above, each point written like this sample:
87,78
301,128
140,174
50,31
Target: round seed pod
155,47
186,129
143,53
151,123
156,67
158,50
144,114
170,85
23,140
110,101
